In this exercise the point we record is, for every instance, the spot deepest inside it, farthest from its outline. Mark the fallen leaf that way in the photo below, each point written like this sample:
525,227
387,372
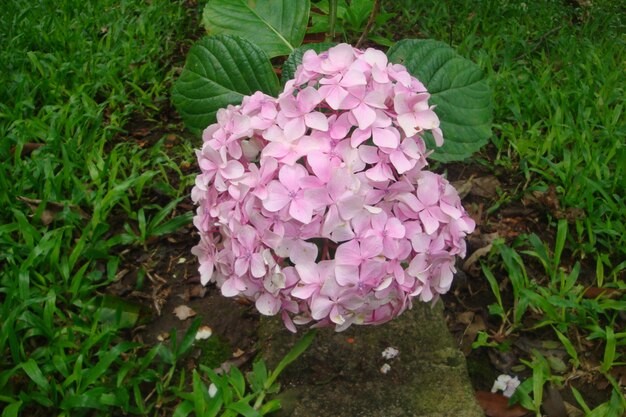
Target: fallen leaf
470,334
573,411
552,404
496,405
163,337
51,209
474,257
486,187
197,291
204,332
595,292
183,312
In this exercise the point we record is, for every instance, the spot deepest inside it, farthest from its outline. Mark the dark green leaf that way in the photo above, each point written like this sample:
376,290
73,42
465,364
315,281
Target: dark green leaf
276,26
34,373
244,409
459,90
220,70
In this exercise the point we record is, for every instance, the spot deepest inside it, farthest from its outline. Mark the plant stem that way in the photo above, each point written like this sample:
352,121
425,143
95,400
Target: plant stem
370,23
332,18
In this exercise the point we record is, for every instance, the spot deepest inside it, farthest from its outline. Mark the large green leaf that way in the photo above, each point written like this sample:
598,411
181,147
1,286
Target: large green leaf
295,58
459,89
220,70
277,26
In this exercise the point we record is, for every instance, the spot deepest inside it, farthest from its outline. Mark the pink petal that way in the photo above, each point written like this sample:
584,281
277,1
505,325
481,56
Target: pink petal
407,123
430,223
426,120
347,275
300,211
320,307
334,95
364,115
438,135
428,189
400,163
394,228
289,106
290,176
387,138
379,172
340,57
304,291
359,136
308,99
257,266
267,304
340,127
353,78
241,266
450,210
303,253
295,129
371,246
316,120
348,253
277,197
320,165
350,206
232,286
233,169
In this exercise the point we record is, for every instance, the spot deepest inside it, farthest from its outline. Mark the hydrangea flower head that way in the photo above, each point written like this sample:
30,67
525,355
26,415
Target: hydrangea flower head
317,204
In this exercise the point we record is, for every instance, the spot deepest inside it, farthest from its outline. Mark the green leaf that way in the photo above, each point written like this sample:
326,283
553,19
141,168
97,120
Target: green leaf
220,70
237,381
34,372
12,409
300,346
244,409
459,90
276,26
92,374
295,58
183,409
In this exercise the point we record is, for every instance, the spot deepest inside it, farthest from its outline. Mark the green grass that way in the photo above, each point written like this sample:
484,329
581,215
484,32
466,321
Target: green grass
558,78
73,73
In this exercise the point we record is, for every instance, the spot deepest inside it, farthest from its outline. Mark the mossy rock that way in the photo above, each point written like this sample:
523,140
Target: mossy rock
340,374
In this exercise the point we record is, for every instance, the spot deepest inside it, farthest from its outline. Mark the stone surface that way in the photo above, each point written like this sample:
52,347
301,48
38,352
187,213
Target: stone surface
339,375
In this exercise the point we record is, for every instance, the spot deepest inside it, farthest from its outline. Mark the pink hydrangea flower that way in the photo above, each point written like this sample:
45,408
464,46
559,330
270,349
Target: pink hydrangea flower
317,204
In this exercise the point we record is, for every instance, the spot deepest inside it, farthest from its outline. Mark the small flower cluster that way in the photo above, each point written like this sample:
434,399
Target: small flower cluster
317,204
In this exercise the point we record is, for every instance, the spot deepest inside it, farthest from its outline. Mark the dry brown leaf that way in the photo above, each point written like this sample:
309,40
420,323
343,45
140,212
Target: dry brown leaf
470,334
197,291
474,257
51,210
183,312
486,187
463,187
497,405
573,411
552,404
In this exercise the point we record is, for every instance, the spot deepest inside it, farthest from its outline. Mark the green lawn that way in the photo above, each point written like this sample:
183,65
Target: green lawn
72,74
